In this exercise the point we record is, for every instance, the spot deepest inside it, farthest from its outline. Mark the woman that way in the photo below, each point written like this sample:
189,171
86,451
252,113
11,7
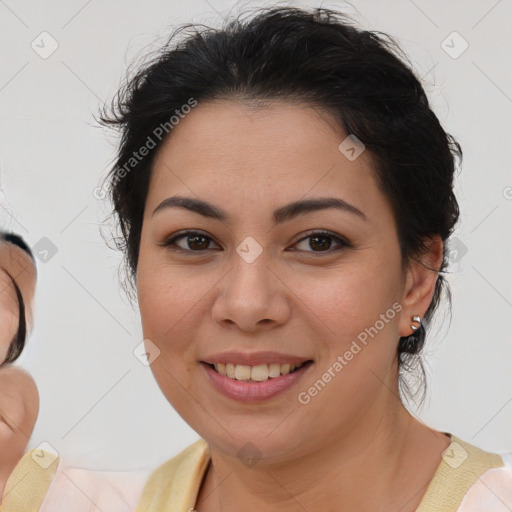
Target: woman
18,279
284,194
19,398
287,236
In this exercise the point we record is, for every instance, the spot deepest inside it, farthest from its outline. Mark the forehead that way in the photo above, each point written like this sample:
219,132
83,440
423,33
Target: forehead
238,133
18,264
231,149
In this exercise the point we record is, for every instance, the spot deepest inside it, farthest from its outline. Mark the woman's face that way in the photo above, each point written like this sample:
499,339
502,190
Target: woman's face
9,313
259,288
14,262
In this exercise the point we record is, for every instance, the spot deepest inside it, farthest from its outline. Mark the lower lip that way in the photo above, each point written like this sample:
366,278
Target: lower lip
248,391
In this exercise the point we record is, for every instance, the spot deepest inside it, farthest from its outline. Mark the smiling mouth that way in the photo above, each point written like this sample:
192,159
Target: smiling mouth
258,373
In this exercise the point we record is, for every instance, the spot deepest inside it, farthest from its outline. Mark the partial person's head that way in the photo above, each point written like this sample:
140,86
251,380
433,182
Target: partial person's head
19,407
19,398
248,129
18,276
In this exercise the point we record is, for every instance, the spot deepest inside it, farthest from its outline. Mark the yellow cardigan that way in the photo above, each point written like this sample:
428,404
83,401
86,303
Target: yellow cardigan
175,484
28,483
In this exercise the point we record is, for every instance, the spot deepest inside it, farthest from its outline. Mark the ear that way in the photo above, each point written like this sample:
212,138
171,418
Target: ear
420,281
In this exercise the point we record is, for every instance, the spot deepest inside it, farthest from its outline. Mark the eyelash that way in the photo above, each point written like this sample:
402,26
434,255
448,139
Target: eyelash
170,243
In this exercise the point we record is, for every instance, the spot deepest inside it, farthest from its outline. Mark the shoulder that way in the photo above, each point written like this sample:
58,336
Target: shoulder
493,490
82,489
42,482
462,471
28,484
176,482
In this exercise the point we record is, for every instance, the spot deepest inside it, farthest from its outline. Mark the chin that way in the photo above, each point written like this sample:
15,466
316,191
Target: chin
250,440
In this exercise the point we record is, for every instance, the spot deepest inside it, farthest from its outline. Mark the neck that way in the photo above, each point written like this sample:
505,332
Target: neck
365,469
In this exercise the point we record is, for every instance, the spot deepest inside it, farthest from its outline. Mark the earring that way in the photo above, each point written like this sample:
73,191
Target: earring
416,319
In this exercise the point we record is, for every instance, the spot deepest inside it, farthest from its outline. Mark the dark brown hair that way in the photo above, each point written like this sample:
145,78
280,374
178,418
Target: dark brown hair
361,78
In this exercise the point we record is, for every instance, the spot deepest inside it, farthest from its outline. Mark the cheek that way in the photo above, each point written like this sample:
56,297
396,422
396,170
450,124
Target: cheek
9,328
359,317
170,305
12,446
347,300
159,308
163,308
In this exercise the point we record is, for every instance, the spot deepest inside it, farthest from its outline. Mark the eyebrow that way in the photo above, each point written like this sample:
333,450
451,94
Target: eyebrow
282,214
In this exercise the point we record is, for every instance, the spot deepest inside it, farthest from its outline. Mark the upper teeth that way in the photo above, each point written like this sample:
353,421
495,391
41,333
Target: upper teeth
258,373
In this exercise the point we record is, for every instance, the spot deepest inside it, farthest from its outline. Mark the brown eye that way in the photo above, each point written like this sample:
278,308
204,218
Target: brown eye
198,242
191,241
322,241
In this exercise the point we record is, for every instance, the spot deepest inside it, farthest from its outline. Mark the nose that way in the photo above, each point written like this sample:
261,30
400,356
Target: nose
252,297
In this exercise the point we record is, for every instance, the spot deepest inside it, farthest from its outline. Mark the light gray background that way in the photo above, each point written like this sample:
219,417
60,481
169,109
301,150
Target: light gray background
100,407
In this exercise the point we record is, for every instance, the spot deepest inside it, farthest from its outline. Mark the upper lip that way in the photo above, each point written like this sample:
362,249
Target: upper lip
255,358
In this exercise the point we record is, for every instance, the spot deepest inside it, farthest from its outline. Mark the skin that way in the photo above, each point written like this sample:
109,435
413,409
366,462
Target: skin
14,262
19,407
9,313
354,443
19,398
